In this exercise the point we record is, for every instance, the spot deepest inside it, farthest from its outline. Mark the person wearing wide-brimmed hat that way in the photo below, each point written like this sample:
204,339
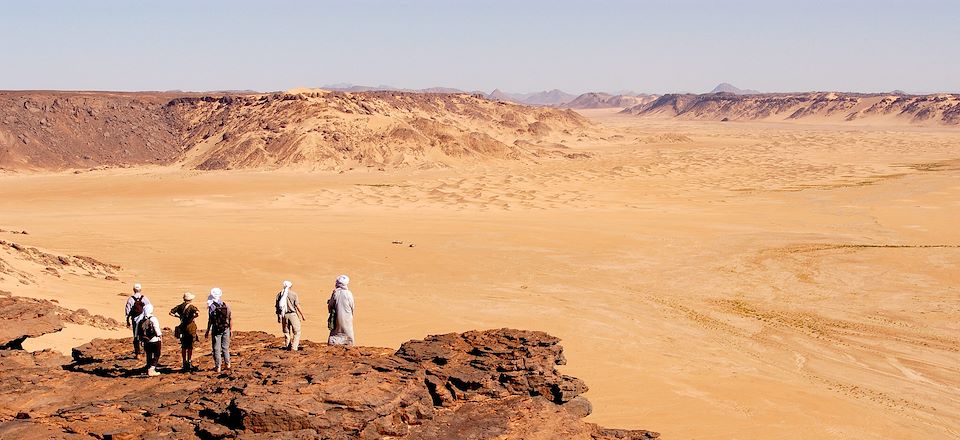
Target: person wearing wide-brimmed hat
186,331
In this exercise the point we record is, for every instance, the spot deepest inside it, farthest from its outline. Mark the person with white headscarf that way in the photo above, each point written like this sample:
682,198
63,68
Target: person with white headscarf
289,316
133,311
341,309
221,322
150,334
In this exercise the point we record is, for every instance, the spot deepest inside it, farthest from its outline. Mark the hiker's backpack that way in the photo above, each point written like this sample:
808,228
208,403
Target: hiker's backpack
137,308
220,318
147,330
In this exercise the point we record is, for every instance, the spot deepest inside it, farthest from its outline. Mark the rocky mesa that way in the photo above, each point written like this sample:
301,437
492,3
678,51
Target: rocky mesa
501,384
939,109
314,129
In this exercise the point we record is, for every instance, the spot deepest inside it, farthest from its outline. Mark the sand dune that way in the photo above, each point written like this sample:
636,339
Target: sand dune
818,107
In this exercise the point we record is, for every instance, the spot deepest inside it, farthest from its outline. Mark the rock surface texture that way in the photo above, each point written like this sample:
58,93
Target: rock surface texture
476,385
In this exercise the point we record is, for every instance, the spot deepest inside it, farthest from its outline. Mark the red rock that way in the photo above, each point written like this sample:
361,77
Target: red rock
498,383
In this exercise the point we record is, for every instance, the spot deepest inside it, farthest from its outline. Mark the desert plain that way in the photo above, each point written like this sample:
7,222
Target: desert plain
709,280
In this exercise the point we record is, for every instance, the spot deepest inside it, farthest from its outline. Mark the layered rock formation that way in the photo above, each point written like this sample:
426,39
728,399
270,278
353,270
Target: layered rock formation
22,318
313,129
336,130
490,384
941,109
21,265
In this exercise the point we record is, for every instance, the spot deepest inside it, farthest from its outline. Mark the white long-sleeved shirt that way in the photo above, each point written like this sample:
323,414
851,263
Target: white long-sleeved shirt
131,300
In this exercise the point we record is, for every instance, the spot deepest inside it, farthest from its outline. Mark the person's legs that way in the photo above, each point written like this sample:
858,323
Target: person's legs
216,351
285,325
226,348
152,351
156,353
295,330
148,352
136,342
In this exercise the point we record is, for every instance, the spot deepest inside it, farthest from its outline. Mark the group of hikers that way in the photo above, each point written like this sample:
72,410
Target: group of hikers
147,332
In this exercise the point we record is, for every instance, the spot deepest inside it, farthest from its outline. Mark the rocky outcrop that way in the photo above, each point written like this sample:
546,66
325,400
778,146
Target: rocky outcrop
339,131
22,318
481,385
940,109
52,130
24,263
313,129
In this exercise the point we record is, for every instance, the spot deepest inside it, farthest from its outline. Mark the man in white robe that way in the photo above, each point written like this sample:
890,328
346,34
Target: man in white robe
341,306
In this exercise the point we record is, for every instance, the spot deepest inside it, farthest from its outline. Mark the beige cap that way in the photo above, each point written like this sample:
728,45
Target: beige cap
188,296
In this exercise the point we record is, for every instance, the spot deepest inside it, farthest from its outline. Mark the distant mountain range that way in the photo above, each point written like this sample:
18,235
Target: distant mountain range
833,107
346,87
553,97
545,98
730,88
606,100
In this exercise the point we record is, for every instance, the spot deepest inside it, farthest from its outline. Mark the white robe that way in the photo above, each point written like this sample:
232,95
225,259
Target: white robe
341,301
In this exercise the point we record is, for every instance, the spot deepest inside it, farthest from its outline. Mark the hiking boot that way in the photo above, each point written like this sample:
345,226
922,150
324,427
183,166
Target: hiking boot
152,372
218,368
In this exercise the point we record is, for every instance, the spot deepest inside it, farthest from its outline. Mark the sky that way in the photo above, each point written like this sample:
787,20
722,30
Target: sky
517,46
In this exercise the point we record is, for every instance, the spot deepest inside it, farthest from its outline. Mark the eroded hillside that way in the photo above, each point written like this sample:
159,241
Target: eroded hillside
940,109
311,129
336,130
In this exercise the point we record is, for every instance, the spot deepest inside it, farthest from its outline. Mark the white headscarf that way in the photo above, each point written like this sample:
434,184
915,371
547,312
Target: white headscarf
283,297
215,294
147,310
342,281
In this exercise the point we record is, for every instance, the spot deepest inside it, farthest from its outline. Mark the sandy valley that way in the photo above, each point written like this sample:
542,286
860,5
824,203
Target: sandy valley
709,280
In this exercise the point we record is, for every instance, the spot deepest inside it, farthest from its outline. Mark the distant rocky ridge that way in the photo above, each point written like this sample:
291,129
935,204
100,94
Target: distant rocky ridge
938,109
483,385
730,88
605,100
553,97
309,129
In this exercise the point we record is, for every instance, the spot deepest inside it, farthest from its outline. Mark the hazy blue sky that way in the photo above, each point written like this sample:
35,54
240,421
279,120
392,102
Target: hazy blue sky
653,46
